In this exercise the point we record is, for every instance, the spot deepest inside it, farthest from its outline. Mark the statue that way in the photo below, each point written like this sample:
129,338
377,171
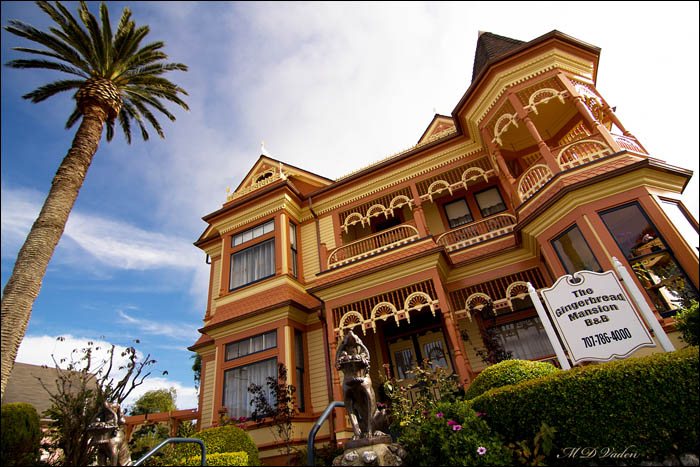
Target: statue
109,437
352,358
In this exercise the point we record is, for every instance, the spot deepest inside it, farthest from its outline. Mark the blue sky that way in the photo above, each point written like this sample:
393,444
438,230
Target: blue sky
330,87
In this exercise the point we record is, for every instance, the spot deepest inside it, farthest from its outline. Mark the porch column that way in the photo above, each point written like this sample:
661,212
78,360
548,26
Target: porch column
547,155
337,395
507,180
587,115
464,370
418,214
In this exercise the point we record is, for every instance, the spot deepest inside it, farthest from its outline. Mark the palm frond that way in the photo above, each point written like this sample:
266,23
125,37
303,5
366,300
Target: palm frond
125,123
109,125
29,32
149,116
76,33
106,34
134,114
74,117
93,28
51,89
47,65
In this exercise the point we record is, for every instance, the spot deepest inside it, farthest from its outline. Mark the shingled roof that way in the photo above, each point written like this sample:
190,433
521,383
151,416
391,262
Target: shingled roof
490,46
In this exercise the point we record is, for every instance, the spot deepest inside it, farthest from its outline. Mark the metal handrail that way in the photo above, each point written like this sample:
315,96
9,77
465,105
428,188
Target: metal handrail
316,427
174,440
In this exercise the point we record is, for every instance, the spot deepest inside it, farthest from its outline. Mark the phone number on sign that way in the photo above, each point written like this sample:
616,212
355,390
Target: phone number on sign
606,338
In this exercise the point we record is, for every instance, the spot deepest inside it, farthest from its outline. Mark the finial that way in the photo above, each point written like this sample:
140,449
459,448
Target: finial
263,150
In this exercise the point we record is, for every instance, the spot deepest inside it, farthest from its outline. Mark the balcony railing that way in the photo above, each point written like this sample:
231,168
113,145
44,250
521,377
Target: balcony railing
368,246
477,232
532,180
629,143
582,152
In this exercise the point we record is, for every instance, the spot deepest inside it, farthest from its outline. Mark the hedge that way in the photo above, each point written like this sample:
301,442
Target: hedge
648,405
223,439
219,458
21,434
508,372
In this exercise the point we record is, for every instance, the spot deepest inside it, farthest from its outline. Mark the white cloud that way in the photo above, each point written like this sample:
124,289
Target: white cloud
38,350
181,331
112,243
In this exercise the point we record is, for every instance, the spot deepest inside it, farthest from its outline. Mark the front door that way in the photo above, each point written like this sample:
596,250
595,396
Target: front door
409,351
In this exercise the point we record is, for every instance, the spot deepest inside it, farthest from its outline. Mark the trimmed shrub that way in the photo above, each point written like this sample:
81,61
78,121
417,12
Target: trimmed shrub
222,439
453,434
508,372
219,458
648,405
21,434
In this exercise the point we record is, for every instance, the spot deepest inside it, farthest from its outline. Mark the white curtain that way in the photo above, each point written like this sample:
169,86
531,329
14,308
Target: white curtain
254,263
236,381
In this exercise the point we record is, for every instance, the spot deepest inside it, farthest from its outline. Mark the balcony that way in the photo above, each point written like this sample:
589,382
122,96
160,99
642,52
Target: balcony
477,232
569,156
372,245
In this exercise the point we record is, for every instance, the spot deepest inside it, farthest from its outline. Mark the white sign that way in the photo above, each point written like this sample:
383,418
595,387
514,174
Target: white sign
594,317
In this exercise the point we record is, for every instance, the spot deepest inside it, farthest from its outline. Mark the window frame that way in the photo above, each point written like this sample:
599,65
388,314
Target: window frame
559,254
264,349
249,409
500,195
447,216
237,248
631,260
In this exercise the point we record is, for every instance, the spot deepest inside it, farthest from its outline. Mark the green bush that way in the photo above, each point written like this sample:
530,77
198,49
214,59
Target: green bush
21,434
688,323
219,458
453,434
508,372
223,439
648,405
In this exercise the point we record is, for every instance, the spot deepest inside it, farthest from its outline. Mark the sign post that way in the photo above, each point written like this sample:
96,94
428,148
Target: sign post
595,317
643,307
558,350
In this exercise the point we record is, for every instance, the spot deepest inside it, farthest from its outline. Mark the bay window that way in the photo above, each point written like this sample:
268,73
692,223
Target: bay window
574,252
650,258
237,380
255,262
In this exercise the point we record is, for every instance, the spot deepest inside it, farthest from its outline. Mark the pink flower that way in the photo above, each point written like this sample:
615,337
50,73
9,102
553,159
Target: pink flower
451,422
456,427
481,450
439,415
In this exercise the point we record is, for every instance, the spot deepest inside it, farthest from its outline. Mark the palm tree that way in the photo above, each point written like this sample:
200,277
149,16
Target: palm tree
117,80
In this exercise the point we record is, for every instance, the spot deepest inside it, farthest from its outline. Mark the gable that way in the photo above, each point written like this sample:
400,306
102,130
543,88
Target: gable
268,170
440,125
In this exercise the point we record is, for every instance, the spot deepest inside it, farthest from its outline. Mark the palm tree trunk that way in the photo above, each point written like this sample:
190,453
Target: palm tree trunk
24,284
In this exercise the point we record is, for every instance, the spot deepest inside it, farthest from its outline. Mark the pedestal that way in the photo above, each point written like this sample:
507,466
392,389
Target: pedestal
378,451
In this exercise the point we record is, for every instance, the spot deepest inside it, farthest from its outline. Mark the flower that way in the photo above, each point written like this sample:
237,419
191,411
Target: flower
451,423
439,415
456,427
481,450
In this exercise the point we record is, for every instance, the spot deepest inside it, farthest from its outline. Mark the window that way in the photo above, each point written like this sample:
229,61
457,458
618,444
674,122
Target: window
679,218
574,252
255,232
237,380
299,360
251,345
458,213
293,248
649,257
526,339
253,264
490,202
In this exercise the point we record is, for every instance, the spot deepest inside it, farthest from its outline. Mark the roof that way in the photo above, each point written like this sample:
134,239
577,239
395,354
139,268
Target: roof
490,46
23,386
